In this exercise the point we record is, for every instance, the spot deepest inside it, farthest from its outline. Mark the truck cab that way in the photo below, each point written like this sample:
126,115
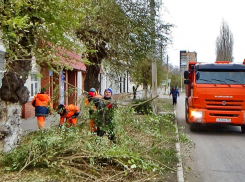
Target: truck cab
215,94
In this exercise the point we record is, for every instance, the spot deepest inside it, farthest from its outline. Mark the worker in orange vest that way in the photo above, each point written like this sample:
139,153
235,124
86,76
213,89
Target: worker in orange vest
70,113
43,106
92,94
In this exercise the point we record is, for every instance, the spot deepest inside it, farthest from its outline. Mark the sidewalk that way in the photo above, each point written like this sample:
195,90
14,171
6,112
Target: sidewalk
30,124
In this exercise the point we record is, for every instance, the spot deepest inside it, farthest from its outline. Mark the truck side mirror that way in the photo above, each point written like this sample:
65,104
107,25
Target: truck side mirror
186,74
197,75
186,81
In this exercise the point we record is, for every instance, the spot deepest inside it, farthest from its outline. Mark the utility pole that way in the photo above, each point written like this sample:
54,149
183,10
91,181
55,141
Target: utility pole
181,79
154,64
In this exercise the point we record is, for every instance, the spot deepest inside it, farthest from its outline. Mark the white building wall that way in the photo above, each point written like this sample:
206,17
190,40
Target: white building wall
114,82
79,83
103,84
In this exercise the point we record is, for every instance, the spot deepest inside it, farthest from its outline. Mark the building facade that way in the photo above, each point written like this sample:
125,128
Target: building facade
186,57
64,87
119,83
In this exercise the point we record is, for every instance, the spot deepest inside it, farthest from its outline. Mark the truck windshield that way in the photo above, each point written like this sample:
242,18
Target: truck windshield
220,77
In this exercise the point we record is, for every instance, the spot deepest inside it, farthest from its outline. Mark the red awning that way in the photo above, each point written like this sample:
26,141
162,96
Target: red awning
71,59
75,61
67,58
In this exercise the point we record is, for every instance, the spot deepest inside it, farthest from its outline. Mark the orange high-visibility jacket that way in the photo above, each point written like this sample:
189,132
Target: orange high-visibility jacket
41,103
94,94
70,111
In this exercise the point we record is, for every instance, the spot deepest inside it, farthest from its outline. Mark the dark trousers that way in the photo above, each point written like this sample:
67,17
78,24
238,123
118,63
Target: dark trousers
174,101
110,135
134,95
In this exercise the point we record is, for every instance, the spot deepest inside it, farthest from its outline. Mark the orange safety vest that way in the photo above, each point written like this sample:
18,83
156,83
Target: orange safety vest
42,100
70,111
97,95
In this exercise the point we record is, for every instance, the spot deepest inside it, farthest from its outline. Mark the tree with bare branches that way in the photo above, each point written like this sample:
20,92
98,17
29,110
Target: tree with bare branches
224,44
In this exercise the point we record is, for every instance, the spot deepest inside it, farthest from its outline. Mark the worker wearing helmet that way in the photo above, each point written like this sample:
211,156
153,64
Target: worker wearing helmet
92,96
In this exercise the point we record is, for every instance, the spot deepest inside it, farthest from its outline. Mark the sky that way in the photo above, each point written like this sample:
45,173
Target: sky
197,25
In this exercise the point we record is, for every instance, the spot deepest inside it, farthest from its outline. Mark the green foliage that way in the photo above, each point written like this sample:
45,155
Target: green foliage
175,76
184,138
120,33
165,105
140,41
142,73
145,145
142,106
28,25
38,148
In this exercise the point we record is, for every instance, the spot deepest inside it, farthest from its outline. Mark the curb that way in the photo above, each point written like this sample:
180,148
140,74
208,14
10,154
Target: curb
180,174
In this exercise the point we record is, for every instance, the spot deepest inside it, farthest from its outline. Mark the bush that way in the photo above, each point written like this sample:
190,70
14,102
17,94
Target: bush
144,150
142,106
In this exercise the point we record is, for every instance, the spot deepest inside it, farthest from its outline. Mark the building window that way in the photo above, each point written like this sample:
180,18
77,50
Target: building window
35,85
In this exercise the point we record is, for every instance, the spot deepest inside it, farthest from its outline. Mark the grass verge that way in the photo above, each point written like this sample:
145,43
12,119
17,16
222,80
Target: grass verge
144,151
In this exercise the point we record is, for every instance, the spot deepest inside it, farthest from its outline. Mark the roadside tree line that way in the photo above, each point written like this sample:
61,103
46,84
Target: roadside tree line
117,33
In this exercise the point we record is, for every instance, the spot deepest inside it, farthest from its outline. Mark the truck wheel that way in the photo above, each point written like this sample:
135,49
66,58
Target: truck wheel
194,127
243,128
186,112
186,115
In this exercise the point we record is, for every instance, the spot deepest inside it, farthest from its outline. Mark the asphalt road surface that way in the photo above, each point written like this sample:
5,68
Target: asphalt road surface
218,154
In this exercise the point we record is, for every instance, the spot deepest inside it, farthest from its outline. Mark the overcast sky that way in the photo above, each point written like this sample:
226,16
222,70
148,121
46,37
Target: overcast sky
197,26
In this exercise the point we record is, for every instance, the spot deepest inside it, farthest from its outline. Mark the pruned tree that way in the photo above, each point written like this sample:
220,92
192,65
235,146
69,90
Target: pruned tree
175,76
104,33
25,24
224,44
119,33
142,73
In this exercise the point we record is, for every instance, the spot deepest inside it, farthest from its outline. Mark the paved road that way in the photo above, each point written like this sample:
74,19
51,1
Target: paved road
219,154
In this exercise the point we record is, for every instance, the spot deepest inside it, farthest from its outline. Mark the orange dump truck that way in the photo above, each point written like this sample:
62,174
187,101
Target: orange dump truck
215,94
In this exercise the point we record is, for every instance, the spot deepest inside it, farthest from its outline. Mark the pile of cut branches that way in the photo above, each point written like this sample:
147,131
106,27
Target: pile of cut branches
144,151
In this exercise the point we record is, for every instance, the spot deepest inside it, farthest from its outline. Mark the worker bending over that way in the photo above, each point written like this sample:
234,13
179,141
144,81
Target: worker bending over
70,113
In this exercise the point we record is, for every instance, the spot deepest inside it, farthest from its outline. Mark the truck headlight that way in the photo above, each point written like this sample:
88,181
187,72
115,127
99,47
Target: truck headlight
196,114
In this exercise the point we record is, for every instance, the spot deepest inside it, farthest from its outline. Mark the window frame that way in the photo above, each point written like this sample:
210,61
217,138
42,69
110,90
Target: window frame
33,89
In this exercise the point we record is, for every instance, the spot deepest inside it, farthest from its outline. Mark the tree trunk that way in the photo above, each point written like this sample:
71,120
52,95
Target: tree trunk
10,131
92,74
145,89
13,94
